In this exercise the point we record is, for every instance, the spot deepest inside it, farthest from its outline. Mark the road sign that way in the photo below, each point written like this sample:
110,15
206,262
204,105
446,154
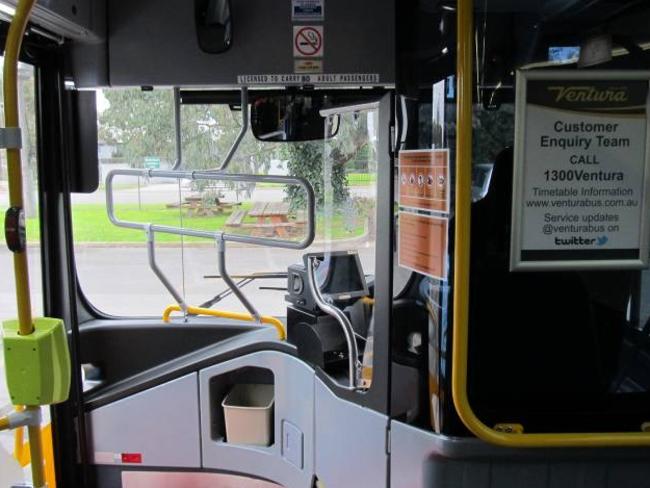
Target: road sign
308,41
152,162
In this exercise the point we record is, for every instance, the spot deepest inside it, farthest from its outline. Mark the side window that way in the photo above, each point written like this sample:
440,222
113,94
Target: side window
135,131
8,310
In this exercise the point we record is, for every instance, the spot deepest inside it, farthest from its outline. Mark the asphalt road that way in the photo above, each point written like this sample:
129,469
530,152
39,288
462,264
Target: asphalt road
169,193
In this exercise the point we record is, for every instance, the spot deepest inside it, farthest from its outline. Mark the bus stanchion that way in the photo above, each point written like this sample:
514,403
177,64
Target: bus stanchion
37,359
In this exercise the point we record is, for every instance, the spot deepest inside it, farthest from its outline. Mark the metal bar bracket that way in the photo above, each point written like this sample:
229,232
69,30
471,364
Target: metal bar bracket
151,252
11,138
242,131
354,366
221,252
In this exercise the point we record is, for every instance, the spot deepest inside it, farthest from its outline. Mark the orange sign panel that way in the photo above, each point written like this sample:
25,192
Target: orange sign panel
423,244
424,179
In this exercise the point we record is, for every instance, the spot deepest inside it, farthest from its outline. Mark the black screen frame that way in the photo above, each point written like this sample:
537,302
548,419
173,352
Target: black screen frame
348,294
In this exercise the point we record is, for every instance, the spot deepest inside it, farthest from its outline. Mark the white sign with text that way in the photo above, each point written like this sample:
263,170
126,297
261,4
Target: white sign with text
581,158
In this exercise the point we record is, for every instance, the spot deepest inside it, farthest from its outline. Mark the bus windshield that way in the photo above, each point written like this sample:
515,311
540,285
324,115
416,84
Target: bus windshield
136,131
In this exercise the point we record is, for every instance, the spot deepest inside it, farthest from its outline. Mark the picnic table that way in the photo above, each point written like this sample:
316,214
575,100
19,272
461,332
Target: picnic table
272,220
198,206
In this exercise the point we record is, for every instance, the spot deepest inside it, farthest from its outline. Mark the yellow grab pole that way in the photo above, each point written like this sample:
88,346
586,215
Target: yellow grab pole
464,59
465,52
19,443
19,437
14,170
36,454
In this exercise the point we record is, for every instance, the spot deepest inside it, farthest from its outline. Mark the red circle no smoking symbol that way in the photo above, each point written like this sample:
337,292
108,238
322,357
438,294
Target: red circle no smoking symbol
308,41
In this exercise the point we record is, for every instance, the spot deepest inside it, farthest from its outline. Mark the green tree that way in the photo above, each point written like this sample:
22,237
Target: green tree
208,132
142,124
308,159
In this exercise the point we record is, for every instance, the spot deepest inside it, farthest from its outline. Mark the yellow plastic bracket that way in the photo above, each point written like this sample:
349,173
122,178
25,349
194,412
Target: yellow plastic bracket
465,53
23,455
265,319
37,366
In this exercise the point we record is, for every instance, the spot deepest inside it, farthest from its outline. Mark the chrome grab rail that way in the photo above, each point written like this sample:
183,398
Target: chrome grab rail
242,130
214,176
220,237
354,366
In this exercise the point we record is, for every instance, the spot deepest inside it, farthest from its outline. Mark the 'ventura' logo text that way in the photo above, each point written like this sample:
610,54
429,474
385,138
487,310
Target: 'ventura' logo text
586,93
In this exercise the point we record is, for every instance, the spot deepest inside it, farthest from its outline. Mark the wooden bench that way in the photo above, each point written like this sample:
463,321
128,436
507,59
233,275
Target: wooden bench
201,207
272,220
236,218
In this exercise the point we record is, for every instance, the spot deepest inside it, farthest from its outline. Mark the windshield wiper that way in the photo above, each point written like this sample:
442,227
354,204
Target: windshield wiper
243,280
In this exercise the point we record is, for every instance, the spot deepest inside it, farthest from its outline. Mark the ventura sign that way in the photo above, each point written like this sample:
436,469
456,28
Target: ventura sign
589,94
580,196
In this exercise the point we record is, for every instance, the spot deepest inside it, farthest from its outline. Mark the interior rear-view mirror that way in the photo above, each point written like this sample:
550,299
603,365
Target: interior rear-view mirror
292,117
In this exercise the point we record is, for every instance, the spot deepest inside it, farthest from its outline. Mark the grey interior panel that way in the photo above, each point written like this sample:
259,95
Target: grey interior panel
294,397
76,19
422,459
161,425
89,64
104,340
350,443
260,338
166,52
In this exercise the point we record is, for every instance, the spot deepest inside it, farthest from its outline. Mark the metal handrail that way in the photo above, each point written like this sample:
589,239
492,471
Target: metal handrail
354,366
242,131
221,252
207,175
151,254
178,142
220,236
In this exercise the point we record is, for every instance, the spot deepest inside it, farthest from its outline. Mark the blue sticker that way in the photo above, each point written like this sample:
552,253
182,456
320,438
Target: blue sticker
307,10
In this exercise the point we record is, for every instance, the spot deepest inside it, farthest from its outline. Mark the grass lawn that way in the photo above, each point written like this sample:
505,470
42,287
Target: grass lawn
91,224
361,179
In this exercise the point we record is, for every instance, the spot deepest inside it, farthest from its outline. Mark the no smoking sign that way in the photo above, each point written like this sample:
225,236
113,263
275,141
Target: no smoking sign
308,41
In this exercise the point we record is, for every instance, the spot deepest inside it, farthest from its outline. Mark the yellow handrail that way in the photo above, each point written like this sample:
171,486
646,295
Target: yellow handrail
265,319
19,435
22,454
14,171
465,53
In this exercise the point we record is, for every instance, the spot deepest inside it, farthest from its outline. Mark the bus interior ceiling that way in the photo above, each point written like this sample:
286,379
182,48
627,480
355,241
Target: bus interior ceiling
289,176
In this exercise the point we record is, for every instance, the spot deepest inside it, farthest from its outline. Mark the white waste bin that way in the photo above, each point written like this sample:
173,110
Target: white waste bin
248,411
